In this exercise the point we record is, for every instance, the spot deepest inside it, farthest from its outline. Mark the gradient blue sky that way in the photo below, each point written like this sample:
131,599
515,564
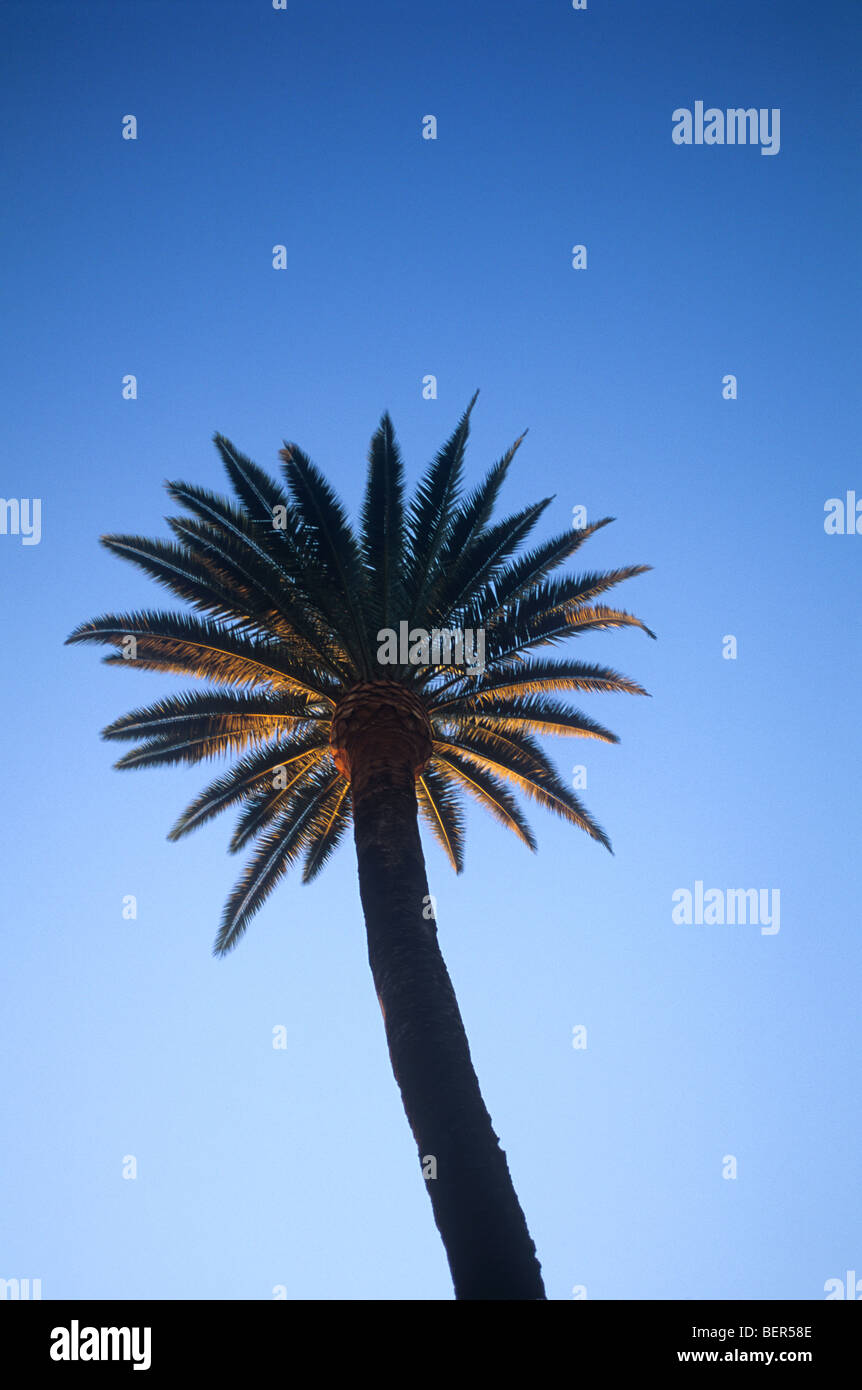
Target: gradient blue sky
258,1167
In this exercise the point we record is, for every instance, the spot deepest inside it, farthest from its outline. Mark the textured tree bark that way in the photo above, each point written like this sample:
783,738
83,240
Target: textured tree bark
488,1245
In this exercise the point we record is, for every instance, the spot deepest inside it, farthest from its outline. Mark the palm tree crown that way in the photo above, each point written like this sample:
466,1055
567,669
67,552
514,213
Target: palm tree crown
291,600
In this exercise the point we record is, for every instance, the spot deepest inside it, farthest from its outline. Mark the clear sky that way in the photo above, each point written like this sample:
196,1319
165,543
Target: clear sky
408,257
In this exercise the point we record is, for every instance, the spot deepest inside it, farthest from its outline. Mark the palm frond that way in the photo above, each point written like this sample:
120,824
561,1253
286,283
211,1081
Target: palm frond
183,574
474,513
330,544
532,714
518,758
518,635
275,796
206,649
382,528
565,595
289,613
529,676
487,557
431,512
526,572
441,809
246,777
277,850
259,494
235,523
262,716
332,817
490,792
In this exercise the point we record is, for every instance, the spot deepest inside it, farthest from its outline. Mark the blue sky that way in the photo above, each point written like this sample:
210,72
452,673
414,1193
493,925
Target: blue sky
406,257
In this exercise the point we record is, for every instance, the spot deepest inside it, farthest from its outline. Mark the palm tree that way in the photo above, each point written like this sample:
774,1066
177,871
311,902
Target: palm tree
291,601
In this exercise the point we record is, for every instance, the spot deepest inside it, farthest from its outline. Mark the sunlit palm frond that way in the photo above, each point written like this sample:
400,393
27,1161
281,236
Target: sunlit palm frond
534,714
271,797
260,716
441,809
249,775
209,650
277,849
527,572
331,821
531,676
517,635
517,758
474,776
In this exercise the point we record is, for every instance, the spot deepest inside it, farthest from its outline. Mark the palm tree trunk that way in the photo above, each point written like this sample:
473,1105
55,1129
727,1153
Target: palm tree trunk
490,1252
